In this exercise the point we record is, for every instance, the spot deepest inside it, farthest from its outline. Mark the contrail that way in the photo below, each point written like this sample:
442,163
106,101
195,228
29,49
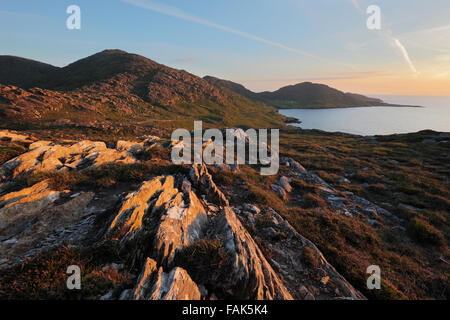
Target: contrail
405,54
396,42
175,12
356,5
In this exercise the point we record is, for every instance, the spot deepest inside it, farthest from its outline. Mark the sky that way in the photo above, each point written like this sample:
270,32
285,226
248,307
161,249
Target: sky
262,44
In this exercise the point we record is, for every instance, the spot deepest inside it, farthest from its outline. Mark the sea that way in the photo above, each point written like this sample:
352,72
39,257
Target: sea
434,114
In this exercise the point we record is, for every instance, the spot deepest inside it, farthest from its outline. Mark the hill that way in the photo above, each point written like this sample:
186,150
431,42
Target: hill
114,86
23,72
313,95
303,95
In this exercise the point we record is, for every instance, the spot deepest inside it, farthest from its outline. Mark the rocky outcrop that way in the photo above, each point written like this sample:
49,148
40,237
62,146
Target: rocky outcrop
252,276
14,137
302,267
32,220
46,156
154,284
344,203
202,180
158,222
162,211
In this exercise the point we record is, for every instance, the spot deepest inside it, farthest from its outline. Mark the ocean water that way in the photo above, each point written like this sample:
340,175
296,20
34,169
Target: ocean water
434,115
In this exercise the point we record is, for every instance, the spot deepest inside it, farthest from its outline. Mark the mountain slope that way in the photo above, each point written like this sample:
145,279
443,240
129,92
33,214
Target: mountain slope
312,95
117,86
23,72
233,86
303,95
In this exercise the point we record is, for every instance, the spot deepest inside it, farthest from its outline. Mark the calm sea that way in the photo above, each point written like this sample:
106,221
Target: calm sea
379,120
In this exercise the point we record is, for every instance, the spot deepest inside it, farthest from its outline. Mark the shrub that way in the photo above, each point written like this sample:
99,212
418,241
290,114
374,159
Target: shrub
313,201
378,188
223,177
386,292
368,176
206,261
301,185
58,181
424,232
309,257
159,152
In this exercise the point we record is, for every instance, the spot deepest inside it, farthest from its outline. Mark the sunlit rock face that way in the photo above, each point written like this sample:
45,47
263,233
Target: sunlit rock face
31,220
14,137
251,271
44,156
202,179
159,210
155,284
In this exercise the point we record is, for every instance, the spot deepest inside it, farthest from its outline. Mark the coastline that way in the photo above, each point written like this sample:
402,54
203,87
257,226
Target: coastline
347,107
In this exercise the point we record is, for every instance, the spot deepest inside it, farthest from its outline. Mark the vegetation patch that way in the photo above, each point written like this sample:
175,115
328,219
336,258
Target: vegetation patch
207,262
44,277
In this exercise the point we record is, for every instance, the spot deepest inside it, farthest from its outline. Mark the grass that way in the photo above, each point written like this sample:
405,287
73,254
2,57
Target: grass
391,171
403,170
397,169
423,232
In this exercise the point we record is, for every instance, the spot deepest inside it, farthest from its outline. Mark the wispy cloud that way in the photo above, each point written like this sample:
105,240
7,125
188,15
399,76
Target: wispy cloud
175,12
436,29
435,39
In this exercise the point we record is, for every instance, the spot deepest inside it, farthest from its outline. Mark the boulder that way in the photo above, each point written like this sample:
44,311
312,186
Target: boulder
129,146
284,183
279,190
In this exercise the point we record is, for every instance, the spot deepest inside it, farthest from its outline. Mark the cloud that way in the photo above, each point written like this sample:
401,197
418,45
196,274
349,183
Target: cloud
435,39
436,29
175,12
